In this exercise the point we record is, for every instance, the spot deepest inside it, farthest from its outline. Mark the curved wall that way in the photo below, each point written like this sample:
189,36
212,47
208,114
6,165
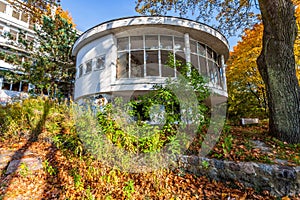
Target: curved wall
129,54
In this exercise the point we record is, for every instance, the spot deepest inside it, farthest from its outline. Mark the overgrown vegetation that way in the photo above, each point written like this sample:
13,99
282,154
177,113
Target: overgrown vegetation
71,172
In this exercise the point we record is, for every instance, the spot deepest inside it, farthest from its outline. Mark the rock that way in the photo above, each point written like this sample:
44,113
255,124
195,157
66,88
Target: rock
31,164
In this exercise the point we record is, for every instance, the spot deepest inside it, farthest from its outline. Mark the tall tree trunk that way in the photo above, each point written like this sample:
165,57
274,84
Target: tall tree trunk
276,64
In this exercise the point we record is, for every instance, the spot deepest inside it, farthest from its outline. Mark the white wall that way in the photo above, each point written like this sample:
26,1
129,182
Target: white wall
101,79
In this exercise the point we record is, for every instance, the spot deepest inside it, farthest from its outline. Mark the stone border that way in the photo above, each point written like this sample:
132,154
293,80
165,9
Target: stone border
279,180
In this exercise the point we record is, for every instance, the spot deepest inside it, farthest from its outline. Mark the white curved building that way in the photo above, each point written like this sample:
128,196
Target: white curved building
129,55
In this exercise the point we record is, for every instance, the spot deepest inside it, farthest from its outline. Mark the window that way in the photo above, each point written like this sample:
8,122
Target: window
166,42
89,66
24,17
178,43
152,68
166,71
123,43
122,65
140,56
100,63
201,49
194,61
16,87
29,38
16,14
80,71
193,46
31,25
1,30
151,42
13,35
136,42
24,86
6,85
203,66
137,64
209,53
2,7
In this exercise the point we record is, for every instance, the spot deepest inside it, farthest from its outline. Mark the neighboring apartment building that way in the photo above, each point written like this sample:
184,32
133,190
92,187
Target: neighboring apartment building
127,56
11,22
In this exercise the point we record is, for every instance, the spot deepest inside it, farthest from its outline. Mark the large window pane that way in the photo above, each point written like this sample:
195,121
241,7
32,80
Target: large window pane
194,61
203,67
209,53
122,65
179,56
136,42
123,43
152,66
179,43
201,49
212,72
166,71
215,55
193,46
166,42
151,42
137,64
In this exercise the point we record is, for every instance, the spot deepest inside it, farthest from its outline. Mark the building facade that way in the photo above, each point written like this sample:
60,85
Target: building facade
12,21
129,55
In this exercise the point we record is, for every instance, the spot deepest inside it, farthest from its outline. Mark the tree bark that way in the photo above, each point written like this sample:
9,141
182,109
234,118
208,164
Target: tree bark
276,65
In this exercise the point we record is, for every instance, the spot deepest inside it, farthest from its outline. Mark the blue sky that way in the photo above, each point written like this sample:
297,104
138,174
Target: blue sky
89,13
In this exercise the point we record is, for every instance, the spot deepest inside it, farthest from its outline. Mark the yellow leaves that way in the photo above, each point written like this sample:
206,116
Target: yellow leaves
65,15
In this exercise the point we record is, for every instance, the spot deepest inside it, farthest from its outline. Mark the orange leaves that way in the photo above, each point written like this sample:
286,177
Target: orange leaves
65,15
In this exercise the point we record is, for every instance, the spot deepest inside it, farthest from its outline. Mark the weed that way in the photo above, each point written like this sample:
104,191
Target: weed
89,194
51,170
227,145
23,169
205,164
129,188
77,179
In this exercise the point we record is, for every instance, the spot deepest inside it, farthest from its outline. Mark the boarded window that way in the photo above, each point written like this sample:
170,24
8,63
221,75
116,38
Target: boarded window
100,62
89,66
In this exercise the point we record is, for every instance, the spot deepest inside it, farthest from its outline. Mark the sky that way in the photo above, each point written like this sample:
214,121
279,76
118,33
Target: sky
89,13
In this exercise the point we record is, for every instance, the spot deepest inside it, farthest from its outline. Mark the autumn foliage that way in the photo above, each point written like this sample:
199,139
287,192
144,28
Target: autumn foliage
247,93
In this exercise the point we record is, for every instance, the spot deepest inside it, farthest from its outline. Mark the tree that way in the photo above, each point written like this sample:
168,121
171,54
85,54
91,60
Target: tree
49,64
276,62
246,90
46,61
